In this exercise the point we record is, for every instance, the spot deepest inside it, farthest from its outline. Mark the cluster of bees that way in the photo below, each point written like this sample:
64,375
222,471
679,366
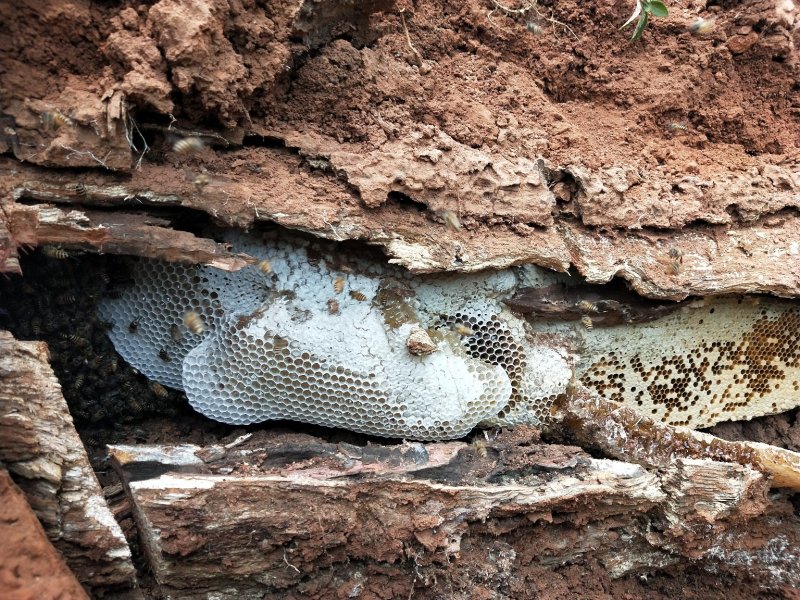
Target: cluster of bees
586,307
55,301
338,288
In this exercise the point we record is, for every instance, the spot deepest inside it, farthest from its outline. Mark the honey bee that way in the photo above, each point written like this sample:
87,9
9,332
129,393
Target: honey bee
333,306
188,145
479,446
54,252
358,296
201,181
534,27
702,26
451,221
280,343
36,326
80,190
77,384
194,322
76,339
586,321
175,333
338,285
677,127
265,267
676,254
133,326
586,306
53,119
164,355
159,390
463,330
674,267
66,299
95,363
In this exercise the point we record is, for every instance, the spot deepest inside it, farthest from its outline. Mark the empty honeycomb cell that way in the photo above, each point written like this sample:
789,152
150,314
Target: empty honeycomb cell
162,293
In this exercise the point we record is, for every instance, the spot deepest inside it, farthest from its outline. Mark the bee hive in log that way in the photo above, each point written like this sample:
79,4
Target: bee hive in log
272,347
319,336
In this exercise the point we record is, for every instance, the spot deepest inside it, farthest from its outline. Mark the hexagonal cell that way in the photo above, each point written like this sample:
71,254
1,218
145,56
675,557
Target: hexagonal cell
272,348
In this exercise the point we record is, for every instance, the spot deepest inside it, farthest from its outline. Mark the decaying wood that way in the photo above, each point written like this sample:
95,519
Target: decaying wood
97,133
292,514
117,233
41,449
29,565
605,306
715,259
621,432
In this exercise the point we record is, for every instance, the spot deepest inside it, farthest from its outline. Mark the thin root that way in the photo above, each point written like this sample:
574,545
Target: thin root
522,12
74,152
419,61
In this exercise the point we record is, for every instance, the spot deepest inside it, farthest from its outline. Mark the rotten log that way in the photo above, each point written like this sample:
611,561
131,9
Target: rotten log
116,233
716,259
351,121
30,568
623,433
291,515
44,454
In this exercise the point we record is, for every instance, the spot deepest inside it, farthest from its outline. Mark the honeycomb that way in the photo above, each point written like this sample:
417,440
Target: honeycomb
494,342
274,349
372,385
322,338
714,360
148,329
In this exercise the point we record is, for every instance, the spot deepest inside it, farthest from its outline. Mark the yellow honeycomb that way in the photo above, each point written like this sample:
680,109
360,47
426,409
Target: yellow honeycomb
722,359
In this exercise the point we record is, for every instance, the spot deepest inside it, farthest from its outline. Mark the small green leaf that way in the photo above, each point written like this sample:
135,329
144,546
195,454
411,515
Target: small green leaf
657,8
643,20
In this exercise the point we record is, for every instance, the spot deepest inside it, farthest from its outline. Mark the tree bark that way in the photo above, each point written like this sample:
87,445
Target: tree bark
285,516
30,568
42,451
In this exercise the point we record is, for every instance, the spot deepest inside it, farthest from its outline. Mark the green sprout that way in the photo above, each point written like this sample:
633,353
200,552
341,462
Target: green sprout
644,10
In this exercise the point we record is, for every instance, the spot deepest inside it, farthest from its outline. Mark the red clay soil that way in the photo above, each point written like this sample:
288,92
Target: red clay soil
353,128
30,568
